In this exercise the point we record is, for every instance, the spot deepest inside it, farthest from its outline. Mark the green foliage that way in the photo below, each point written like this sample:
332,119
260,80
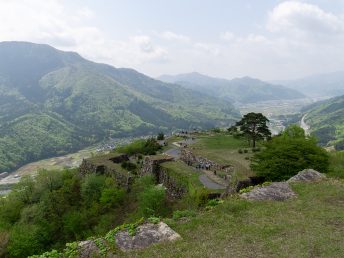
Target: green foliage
145,147
213,203
49,104
154,220
254,127
152,201
183,214
287,154
161,136
326,121
57,207
216,130
337,164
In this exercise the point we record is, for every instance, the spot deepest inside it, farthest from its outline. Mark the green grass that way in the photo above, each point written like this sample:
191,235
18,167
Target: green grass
184,174
312,225
223,149
337,164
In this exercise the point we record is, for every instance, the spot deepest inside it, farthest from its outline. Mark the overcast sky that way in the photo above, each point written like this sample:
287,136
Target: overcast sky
267,39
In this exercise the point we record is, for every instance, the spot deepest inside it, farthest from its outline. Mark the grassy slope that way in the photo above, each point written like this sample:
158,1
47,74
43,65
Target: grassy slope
309,226
223,148
326,120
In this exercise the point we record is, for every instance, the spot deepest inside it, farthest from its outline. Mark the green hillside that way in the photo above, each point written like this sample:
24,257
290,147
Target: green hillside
54,102
326,120
241,90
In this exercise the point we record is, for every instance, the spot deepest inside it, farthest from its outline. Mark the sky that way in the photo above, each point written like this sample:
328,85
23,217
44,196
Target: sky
266,39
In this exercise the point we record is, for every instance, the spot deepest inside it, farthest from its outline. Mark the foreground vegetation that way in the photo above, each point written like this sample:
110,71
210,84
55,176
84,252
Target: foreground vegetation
58,207
310,225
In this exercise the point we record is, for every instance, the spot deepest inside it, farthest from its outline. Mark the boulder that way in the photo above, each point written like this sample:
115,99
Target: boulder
88,249
278,191
307,175
146,235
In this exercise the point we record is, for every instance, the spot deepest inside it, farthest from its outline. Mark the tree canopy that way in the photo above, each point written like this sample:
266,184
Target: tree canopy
254,127
287,154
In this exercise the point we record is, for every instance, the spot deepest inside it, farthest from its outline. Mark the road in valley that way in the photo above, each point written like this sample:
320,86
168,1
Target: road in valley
305,126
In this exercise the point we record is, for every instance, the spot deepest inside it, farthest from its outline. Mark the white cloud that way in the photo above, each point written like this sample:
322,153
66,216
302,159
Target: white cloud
168,35
298,38
50,22
303,19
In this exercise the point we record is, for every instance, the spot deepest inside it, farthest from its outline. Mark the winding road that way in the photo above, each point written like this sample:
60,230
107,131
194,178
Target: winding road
305,126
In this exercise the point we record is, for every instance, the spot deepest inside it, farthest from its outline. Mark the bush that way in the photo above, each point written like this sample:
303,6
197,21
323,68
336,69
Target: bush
145,147
161,136
245,151
152,201
289,153
240,151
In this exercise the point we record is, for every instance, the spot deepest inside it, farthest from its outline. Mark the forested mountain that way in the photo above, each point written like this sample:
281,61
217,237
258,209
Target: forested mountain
53,102
241,90
326,120
330,84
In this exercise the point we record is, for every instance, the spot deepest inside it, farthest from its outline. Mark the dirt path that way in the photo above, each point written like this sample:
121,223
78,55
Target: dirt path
208,183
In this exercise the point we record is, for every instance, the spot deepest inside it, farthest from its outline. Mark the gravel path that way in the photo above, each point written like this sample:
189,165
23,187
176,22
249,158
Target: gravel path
209,183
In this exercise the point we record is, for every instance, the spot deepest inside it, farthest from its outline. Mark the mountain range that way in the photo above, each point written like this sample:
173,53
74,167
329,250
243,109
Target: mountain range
54,102
319,85
240,90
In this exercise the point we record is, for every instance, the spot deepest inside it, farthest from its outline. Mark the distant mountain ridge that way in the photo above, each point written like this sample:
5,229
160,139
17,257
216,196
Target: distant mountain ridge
53,102
319,85
326,120
242,90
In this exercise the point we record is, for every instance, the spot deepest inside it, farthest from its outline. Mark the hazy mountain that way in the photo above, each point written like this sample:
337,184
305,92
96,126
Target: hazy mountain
326,120
53,102
330,84
242,90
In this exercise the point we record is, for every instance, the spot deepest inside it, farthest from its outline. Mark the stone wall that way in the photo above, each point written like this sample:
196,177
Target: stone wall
174,189
151,166
203,163
88,167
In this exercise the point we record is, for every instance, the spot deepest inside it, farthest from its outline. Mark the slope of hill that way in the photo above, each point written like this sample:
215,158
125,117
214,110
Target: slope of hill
242,90
54,102
326,121
331,84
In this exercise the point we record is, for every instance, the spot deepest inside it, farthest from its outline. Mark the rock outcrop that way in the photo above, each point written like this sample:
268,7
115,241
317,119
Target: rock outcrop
278,191
90,248
146,235
307,175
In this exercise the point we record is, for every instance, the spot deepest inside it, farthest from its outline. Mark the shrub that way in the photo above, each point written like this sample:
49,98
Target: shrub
160,136
152,201
287,154
145,147
240,151
245,151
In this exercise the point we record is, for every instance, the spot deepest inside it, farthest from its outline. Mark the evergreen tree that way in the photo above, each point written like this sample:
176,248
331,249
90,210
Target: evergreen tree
254,127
